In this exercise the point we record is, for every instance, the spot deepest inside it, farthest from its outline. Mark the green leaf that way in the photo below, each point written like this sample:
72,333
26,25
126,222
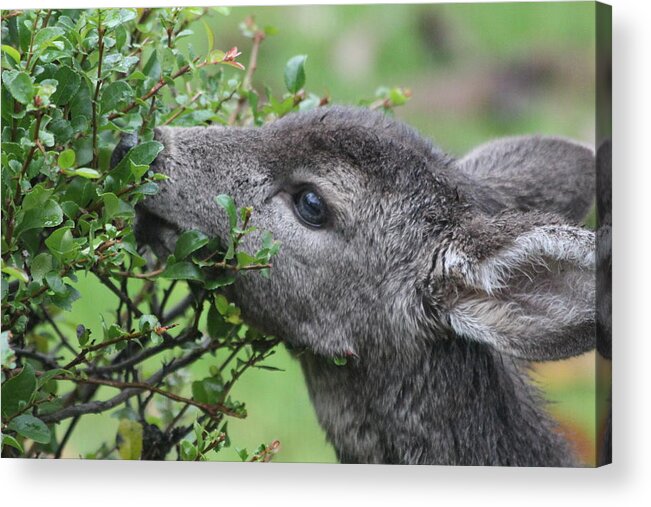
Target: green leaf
209,390
66,159
143,154
152,68
83,335
210,36
130,439
55,282
267,367
49,375
31,427
62,130
295,73
62,245
18,391
398,96
46,35
339,361
65,299
148,188
84,172
230,312
113,331
16,273
113,18
222,304
7,353
242,453
188,242
226,202
19,85
116,207
116,94
148,323
215,323
244,259
189,451
11,441
68,84
41,264
80,191
138,170
50,215
182,271
82,106
12,52
222,280
37,197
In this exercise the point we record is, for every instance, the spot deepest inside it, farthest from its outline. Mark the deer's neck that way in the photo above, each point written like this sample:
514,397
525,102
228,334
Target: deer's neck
459,403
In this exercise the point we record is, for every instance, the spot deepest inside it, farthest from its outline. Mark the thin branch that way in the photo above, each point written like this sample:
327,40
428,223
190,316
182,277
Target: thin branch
11,14
179,111
176,419
141,276
82,355
98,86
223,100
66,437
248,77
130,391
178,310
115,290
235,267
137,34
168,344
154,90
31,39
49,361
47,19
166,297
220,438
64,341
267,453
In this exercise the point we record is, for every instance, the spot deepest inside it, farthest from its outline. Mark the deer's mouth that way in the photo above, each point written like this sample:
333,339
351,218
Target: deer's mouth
156,232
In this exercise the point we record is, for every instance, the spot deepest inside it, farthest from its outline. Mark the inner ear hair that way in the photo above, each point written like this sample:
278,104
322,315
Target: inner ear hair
532,297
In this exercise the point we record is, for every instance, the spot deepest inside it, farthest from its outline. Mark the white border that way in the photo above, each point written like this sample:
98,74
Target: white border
627,482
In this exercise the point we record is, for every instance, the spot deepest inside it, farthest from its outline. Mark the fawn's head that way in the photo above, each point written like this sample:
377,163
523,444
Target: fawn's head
388,243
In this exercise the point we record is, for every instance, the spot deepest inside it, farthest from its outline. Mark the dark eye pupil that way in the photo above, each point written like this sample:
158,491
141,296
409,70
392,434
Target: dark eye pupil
310,208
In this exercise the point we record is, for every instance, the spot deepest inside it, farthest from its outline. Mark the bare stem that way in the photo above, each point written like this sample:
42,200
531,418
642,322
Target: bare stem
154,90
248,77
30,51
128,392
98,86
179,111
11,14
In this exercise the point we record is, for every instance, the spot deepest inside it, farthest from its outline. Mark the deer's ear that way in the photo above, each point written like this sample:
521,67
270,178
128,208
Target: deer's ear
523,283
533,173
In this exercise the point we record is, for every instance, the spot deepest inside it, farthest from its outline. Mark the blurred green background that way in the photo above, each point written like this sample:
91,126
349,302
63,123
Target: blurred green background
476,72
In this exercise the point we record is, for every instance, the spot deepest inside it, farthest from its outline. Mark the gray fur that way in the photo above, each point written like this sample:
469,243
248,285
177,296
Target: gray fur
520,172
436,278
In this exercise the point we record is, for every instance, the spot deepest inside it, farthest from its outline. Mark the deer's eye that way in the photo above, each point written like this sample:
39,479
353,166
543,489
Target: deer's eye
310,208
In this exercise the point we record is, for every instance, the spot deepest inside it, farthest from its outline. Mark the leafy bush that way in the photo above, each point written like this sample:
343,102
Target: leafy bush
73,82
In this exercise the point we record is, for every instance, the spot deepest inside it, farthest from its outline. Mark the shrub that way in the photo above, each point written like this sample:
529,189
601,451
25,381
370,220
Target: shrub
73,82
